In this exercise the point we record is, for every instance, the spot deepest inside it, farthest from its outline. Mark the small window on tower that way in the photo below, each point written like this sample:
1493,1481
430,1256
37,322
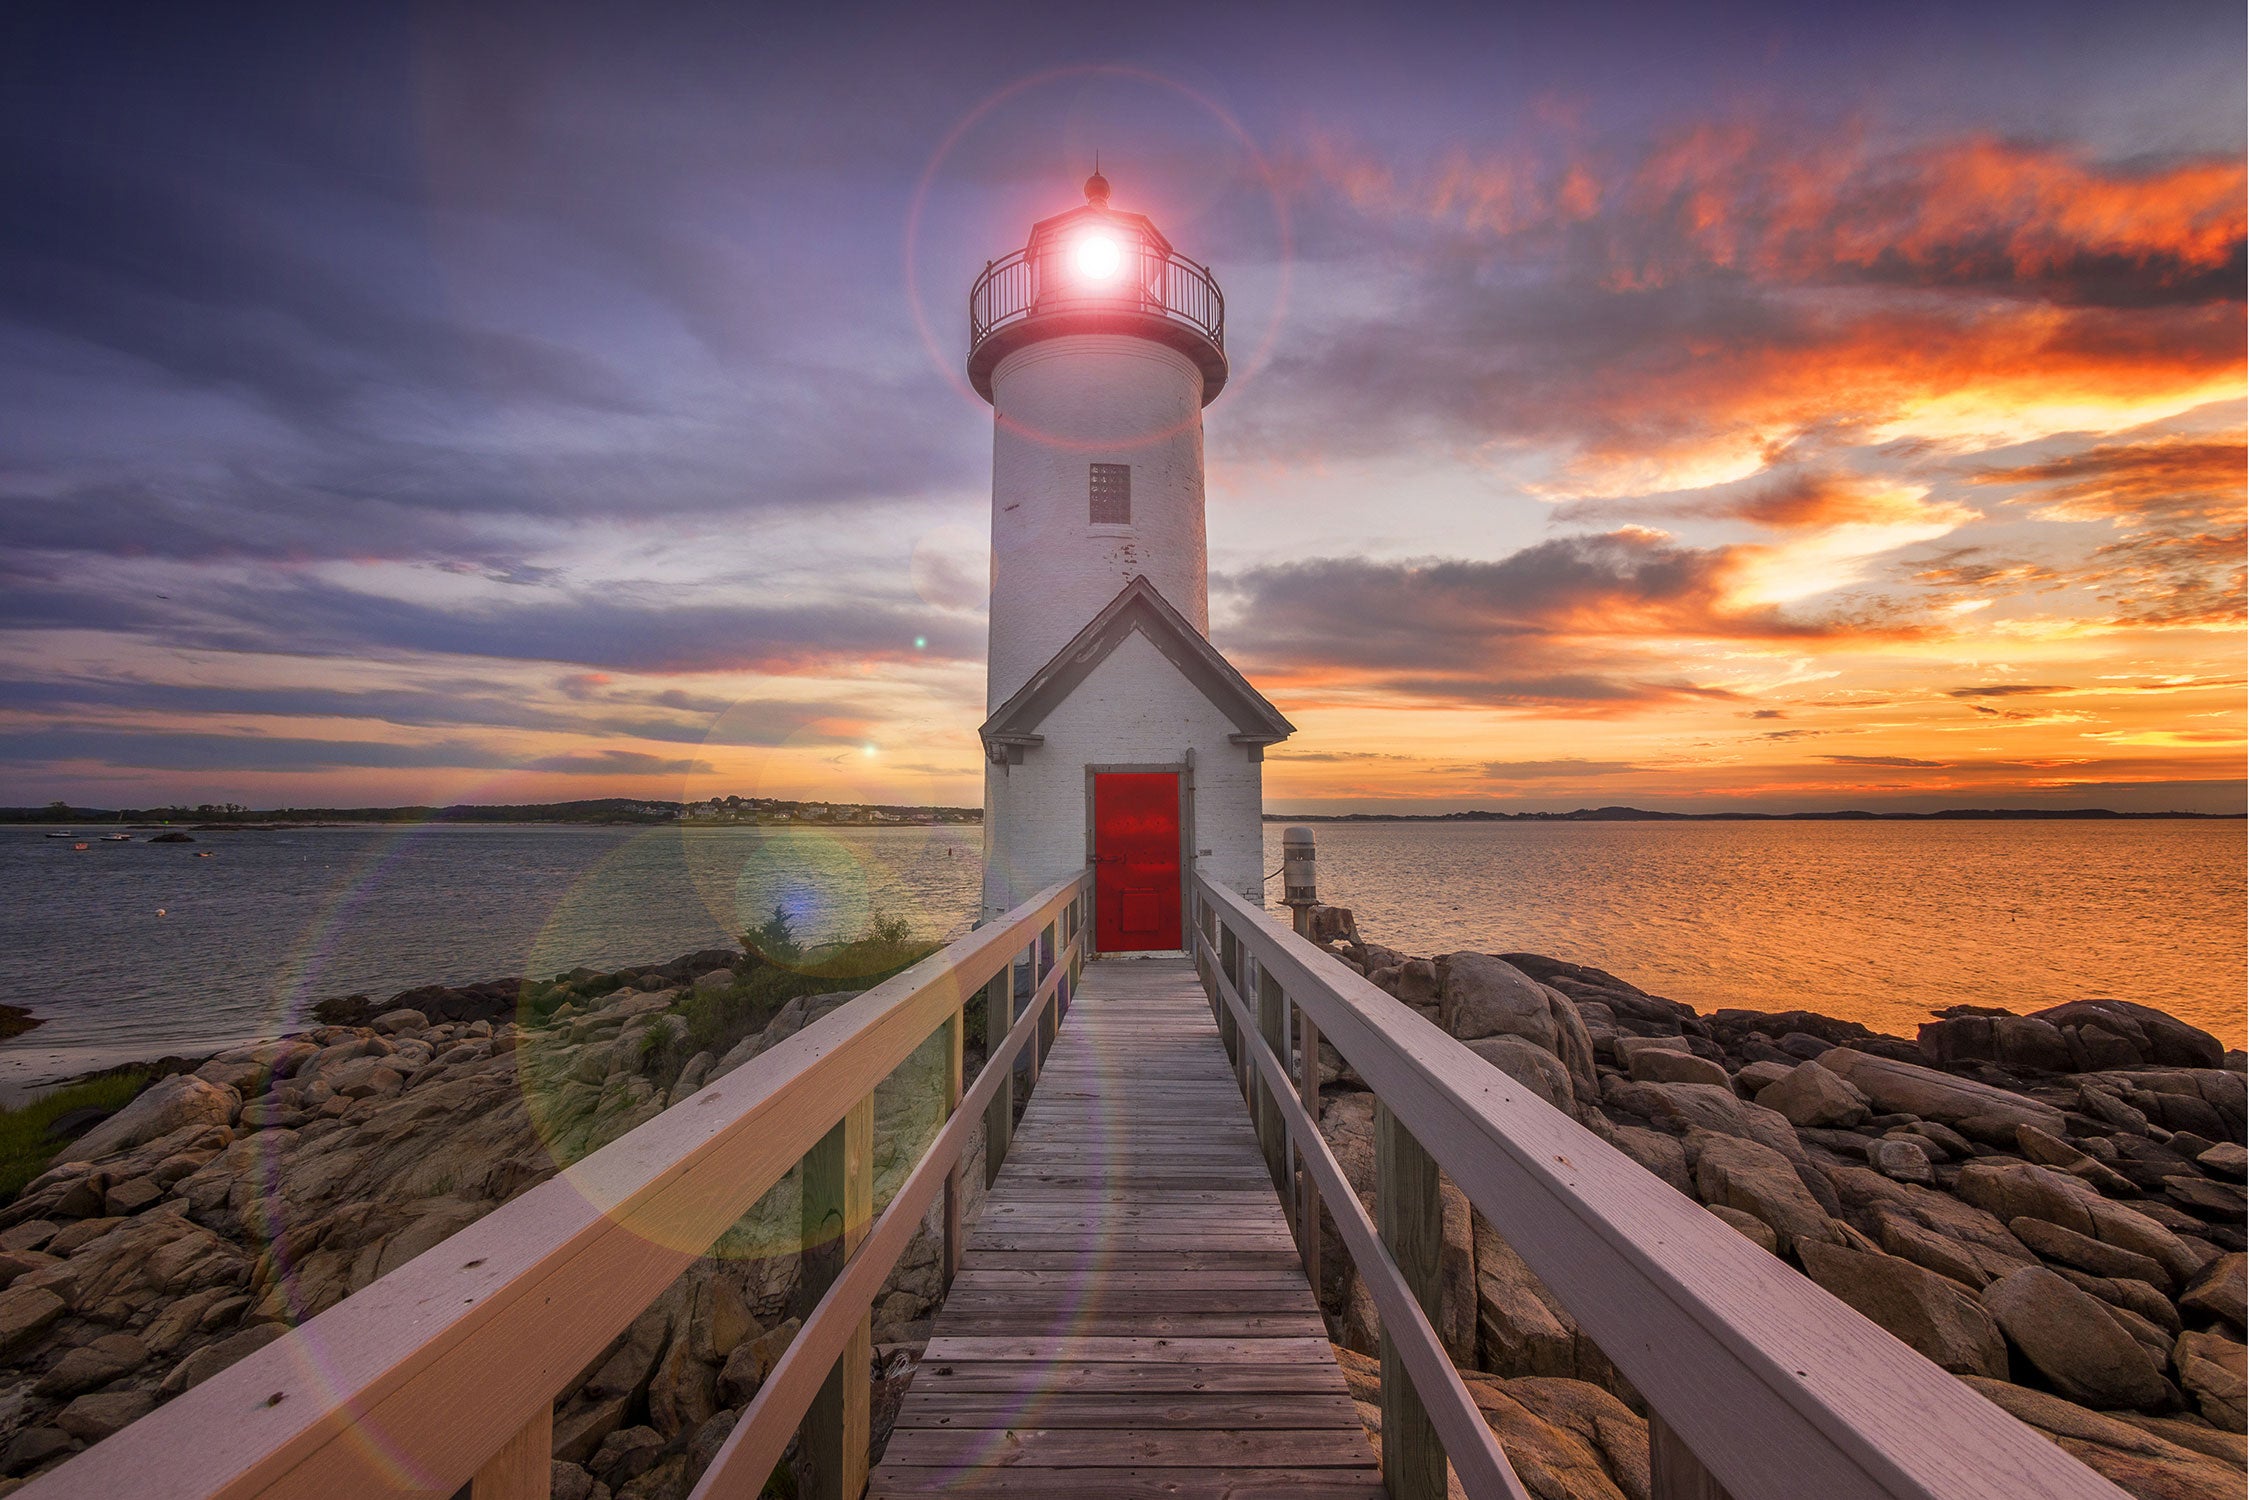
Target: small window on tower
1109,494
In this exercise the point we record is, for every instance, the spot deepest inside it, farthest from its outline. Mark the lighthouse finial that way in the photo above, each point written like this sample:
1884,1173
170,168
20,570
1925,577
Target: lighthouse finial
1097,186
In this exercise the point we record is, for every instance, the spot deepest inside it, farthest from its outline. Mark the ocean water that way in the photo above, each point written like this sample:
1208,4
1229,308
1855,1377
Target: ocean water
136,950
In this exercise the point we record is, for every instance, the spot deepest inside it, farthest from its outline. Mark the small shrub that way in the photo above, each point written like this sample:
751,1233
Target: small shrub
773,941
25,1146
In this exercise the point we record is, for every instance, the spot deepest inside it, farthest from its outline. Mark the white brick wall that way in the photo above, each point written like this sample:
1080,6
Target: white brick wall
1134,708
1058,406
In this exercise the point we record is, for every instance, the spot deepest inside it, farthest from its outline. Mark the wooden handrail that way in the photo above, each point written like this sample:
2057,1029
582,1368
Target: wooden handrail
1476,1454
421,1380
1778,1388
762,1433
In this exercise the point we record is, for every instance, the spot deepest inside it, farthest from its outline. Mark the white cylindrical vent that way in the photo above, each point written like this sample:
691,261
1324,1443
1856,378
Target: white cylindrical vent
1097,476
1298,885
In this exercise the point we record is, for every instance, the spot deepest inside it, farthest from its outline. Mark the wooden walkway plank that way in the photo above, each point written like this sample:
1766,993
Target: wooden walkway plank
1130,1318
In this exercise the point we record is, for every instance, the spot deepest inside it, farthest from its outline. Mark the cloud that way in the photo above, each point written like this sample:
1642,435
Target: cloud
619,763
1556,770
2005,690
1885,760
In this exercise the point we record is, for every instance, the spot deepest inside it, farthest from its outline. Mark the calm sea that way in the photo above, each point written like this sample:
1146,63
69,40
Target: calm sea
136,950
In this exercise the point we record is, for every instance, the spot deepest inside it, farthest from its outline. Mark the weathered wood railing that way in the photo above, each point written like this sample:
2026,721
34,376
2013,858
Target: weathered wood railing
1761,1386
445,1372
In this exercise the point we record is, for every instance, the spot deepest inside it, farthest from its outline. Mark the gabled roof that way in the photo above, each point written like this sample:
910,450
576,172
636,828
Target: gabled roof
1140,607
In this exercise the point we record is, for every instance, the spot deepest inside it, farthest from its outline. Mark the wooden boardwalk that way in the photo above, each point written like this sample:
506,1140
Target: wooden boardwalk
1131,1318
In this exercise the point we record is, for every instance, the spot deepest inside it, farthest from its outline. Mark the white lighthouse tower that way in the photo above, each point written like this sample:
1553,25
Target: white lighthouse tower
1117,734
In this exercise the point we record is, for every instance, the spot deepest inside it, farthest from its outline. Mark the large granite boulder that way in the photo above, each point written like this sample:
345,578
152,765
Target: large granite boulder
1814,1096
2212,1371
166,1105
1742,1174
1483,996
1937,1318
2012,1190
1897,1087
2127,1454
2106,1029
2071,1339
1681,1107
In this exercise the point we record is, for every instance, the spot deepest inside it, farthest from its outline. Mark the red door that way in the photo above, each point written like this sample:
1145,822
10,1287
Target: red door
1136,861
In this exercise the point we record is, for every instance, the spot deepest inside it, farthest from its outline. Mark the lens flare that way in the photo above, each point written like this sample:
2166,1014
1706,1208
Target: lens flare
1098,257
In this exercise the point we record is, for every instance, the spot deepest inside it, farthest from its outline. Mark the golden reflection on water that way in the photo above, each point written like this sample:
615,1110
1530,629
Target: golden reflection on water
1876,922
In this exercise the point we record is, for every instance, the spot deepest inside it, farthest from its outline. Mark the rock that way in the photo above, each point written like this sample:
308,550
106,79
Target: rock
1567,1439
93,1417
32,1234
1534,1067
1815,1096
212,1358
682,1391
629,1452
35,1445
1521,1328
163,1107
1907,1088
1749,1226
2110,1109
1755,1076
1659,1065
1901,1160
2020,1189
2070,1338
1484,996
2212,1372
2222,1201
752,1361
108,1358
2053,1242
1759,1181
2143,1464
583,1423
1658,1152
1940,1320
2151,1035
26,1312
392,1022
1682,1107
2218,1292
2229,1161
570,1482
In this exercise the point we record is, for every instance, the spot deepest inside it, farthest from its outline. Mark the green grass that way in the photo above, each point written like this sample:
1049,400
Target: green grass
716,1019
25,1146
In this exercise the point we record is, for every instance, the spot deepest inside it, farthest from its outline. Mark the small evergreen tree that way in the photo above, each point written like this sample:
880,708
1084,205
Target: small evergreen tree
773,941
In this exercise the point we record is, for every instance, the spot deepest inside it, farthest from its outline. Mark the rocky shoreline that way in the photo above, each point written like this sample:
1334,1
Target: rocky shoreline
2050,1206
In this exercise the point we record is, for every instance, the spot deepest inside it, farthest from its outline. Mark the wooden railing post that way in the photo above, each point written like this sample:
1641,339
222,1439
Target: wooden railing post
520,1470
1674,1472
1271,1006
1410,1217
950,1253
1050,1011
1230,965
839,1200
1000,1114
1308,1094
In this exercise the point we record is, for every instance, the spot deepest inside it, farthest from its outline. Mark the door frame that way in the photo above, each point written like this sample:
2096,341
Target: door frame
1183,768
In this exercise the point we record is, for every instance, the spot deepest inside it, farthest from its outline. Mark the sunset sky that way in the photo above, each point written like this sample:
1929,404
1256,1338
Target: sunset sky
1773,408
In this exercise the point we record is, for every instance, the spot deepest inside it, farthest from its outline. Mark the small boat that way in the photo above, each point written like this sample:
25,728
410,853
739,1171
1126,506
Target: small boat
199,854
117,838
81,846
62,835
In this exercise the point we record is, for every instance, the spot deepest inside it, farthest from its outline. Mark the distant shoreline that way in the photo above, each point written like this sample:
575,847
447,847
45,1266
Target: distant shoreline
1643,815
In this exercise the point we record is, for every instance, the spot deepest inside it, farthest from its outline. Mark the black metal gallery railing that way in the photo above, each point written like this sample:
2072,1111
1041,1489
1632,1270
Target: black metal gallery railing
1150,281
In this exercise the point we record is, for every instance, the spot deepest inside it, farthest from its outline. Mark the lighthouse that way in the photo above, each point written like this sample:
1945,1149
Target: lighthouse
1116,734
